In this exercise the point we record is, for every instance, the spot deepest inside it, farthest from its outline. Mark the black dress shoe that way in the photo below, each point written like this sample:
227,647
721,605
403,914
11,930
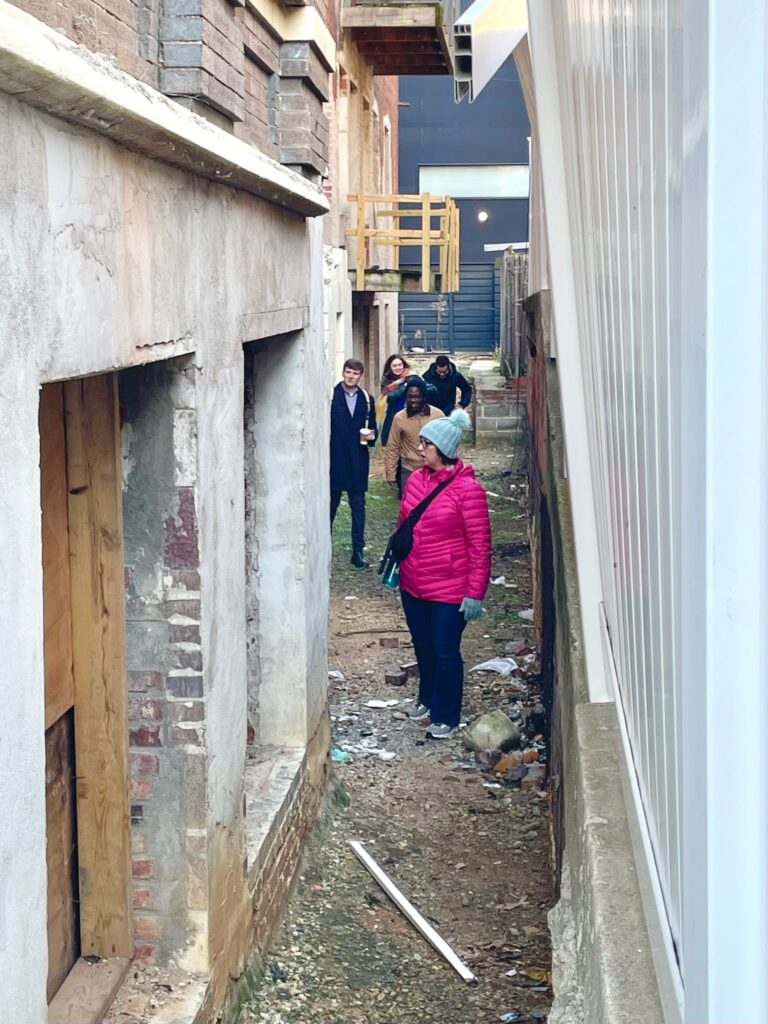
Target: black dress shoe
358,561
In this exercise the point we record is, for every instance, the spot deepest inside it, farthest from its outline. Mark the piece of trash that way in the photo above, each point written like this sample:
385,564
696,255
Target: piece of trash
519,647
413,915
501,581
382,703
491,785
526,614
335,674
538,974
339,756
387,755
351,597
492,731
511,974
504,666
509,1017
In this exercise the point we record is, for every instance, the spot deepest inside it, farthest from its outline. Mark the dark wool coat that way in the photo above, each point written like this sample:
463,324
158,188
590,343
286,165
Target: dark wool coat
349,458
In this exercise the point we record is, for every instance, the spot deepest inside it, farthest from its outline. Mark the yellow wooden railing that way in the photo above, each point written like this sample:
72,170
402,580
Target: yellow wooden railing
437,227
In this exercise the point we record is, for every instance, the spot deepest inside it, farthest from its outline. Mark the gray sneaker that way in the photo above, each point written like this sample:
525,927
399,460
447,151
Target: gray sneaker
418,712
438,731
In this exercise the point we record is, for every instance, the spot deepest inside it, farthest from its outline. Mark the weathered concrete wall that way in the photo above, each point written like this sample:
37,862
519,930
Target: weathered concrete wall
288,496
109,261
603,962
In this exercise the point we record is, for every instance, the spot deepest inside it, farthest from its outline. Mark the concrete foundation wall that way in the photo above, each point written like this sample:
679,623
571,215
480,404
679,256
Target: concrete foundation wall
111,260
499,413
603,960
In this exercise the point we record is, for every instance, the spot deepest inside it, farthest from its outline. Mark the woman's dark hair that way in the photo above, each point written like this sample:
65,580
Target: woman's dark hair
443,458
386,374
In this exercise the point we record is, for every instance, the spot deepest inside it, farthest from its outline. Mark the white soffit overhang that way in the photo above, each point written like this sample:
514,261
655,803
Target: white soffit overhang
484,37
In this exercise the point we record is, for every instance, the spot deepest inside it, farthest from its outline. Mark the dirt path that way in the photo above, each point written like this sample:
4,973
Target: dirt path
467,846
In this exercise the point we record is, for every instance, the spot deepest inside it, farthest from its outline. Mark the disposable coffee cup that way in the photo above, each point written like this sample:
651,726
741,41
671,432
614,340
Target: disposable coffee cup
364,432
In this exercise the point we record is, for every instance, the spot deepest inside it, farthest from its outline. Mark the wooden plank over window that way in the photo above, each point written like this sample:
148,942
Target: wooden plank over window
57,620
98,643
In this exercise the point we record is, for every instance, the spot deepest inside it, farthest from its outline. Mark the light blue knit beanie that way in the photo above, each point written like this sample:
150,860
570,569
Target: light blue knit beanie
445,433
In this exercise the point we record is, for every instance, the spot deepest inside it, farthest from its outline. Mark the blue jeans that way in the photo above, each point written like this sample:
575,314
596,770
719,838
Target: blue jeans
436,629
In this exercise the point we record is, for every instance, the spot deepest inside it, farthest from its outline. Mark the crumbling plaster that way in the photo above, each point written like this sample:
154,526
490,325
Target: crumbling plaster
110,259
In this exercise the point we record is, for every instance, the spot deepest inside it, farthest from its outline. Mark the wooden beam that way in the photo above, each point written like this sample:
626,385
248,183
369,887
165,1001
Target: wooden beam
391,17
57,620
426,203
98,644
88,992
360,245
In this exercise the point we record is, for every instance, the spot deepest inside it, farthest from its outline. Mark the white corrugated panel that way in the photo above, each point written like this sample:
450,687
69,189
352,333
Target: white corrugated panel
662,110
621,182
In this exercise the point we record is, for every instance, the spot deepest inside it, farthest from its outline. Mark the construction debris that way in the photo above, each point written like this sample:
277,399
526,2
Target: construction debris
417,920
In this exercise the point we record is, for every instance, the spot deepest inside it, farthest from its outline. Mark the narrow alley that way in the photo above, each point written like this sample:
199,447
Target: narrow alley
468,845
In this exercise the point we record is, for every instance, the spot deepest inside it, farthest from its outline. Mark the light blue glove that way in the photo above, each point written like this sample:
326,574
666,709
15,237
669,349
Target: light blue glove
472,608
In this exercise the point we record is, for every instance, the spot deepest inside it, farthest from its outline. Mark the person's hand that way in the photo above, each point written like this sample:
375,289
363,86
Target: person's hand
472,608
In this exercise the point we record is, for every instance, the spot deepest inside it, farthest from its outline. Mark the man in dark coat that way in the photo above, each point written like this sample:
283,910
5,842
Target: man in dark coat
445,378
353,433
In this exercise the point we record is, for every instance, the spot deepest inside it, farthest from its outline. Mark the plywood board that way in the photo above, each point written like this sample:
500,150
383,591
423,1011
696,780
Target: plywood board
61,851
57,620
88,992
98,644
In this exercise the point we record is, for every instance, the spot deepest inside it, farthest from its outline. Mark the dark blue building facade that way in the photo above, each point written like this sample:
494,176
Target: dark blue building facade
491,133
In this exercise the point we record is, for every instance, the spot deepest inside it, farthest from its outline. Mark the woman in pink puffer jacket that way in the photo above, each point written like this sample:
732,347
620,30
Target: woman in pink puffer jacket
444,578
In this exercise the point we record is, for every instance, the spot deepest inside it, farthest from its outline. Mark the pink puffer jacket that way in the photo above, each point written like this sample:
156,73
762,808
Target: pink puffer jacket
451,554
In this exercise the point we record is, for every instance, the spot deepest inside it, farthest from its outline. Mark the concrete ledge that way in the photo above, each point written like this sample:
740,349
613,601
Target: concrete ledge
603,961
269,787
41,67
255,326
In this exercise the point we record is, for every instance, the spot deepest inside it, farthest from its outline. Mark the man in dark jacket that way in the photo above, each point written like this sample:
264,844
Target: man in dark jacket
445,378
353,432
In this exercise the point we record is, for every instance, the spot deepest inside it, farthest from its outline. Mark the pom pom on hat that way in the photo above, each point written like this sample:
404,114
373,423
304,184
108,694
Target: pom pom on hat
445,434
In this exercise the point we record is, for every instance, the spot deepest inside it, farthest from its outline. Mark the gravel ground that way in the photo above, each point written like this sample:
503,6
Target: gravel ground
468,846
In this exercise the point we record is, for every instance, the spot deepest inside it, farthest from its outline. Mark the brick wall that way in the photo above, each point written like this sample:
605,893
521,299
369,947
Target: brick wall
122,29
276,866
216,58
166,703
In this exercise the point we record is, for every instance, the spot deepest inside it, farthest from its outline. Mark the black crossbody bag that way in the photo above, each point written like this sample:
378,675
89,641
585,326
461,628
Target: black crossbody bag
400,543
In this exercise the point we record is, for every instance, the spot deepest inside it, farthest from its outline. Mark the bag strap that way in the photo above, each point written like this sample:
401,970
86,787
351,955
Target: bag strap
416,513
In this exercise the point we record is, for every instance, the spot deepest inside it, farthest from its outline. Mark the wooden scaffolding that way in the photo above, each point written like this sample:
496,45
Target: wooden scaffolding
436,227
